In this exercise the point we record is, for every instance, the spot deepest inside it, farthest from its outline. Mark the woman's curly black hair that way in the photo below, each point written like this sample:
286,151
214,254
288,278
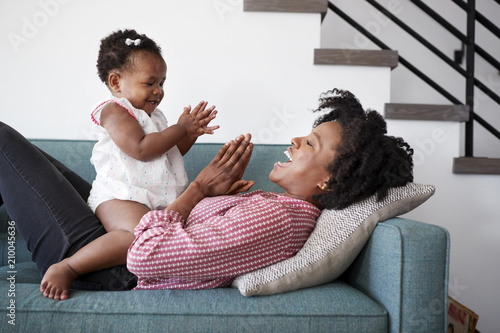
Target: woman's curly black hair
367,161
114,53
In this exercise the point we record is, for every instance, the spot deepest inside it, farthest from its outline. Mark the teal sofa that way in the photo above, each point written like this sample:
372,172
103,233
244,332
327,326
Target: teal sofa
398,283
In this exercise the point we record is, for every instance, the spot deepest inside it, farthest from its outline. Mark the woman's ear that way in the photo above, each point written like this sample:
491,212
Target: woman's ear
114,82
323,185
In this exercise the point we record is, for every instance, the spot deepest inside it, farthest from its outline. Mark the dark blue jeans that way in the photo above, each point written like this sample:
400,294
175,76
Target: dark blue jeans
48,203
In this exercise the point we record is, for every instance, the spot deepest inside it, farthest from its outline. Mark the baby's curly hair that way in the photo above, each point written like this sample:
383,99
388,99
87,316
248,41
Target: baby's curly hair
367,161
115,54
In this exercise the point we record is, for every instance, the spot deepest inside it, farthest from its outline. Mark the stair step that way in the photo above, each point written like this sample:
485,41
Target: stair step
476,165
378,58
293,6
449,112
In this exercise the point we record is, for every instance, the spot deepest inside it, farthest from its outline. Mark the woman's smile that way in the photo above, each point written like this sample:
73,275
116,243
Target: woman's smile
286,163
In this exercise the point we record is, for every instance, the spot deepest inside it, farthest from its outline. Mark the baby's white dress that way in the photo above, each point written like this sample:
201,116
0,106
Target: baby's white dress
155,183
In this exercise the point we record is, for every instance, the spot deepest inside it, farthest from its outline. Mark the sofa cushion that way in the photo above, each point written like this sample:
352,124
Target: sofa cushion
334,307
333,245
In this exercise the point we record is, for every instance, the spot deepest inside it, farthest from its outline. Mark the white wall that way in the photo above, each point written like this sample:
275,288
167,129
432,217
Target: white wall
258,69
467,205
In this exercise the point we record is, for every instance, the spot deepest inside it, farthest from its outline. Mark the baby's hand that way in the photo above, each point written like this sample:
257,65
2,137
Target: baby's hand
196,122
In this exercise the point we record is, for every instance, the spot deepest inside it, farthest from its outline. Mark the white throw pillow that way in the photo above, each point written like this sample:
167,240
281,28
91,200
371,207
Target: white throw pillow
333,245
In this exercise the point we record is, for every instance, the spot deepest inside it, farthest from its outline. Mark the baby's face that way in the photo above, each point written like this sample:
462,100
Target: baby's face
142,85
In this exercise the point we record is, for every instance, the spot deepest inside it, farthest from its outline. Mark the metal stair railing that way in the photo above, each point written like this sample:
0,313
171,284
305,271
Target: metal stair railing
471,49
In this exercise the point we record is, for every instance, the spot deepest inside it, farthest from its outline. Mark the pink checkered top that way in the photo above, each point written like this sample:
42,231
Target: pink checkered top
222,238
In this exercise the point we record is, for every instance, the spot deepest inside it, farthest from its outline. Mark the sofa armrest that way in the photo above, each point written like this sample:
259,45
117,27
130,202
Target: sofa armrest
404,267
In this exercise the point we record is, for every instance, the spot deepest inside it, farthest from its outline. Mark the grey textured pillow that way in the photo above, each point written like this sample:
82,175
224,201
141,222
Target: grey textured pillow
333,245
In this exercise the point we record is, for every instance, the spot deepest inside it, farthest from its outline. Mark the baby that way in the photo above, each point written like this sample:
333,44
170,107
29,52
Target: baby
138,157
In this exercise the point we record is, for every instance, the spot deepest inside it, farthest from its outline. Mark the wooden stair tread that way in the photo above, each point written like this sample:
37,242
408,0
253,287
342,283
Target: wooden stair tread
377,58
447,112
476,165
289,6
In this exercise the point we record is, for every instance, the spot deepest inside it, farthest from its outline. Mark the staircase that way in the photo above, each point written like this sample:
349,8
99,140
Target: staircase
454,112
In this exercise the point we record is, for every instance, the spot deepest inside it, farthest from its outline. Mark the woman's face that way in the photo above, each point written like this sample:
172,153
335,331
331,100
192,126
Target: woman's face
309,157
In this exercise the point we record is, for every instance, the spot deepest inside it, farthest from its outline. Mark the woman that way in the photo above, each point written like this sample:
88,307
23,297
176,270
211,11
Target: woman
206,238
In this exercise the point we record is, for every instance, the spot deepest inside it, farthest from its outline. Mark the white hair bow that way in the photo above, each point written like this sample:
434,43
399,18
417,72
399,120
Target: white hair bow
129,41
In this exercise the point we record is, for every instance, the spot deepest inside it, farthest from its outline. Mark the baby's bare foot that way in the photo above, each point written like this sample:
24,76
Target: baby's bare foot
57,281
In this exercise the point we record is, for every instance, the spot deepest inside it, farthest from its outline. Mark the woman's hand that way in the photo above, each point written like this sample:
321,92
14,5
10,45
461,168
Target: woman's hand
223,174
